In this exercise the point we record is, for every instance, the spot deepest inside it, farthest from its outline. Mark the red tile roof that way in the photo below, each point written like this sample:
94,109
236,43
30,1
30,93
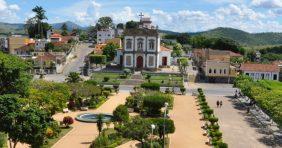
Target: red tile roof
259,67
56,35
165,49
46,57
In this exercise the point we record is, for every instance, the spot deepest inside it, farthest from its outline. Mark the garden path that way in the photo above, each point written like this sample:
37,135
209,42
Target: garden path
188,132
84,133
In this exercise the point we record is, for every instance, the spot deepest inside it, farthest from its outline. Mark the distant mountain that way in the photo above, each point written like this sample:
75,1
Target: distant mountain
71,25
244,38
6,28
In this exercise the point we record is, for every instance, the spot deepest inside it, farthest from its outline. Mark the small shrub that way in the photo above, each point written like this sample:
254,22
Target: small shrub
68,121
121,114
213,120
49,133
106,79
221,145
106,93
107,89
123,76
151,86
183,90
167,91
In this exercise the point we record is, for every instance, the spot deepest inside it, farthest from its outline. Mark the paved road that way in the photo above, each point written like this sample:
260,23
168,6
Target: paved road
73,65
239,129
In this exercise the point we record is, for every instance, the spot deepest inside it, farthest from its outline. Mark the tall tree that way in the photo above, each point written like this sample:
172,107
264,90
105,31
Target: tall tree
64,29
110,51
131,25
120,26
105,22
14,77
39,16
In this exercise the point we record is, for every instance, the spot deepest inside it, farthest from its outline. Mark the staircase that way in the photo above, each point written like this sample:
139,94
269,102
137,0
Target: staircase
136,79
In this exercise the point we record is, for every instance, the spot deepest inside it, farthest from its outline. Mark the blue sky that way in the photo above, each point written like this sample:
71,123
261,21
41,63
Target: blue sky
175,15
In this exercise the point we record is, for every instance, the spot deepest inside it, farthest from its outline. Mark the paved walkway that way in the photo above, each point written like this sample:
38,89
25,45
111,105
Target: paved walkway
187,122
84,133
235,125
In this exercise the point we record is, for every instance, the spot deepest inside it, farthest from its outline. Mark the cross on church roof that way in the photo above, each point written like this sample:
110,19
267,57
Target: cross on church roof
141,15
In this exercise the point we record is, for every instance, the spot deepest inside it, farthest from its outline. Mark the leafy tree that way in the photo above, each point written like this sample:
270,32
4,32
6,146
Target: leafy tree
110,51
159,122
183,38
22,123
50,96
183,65
100,123
73,77
131,25
105,22
120,26
177,50
138,129
153,103
121,114
98,59
14,77
49,47
64,29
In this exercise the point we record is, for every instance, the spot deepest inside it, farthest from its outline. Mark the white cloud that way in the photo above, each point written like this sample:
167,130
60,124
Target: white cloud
267,3
126,14
8,12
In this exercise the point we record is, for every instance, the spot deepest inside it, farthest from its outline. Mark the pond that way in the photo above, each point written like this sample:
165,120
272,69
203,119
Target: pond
92,117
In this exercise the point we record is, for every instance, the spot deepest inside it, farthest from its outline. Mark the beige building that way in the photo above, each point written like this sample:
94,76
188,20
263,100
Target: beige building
215,65
17,42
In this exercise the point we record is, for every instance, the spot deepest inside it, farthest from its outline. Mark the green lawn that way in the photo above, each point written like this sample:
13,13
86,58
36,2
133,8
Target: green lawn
166,80
51,142
114,78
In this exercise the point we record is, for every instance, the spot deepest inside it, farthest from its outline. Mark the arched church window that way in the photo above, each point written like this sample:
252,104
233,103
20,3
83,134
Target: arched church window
151,44
128,44
139,44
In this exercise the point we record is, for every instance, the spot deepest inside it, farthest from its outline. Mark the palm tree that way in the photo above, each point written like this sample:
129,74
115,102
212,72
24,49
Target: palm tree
100,123
73,77
40,15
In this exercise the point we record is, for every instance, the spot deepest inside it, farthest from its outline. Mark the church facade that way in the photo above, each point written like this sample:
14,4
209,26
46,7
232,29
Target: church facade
142,49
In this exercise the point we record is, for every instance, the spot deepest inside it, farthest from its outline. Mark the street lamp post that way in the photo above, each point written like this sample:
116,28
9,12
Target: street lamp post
166,105
152,127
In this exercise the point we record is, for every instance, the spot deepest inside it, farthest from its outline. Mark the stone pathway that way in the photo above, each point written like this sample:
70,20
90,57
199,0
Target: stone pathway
84,133
239,130
187,122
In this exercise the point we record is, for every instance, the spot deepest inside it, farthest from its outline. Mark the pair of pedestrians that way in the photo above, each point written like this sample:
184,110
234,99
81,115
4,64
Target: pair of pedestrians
218,104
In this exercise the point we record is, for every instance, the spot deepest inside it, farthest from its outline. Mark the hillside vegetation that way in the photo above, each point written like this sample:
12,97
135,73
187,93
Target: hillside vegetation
244,38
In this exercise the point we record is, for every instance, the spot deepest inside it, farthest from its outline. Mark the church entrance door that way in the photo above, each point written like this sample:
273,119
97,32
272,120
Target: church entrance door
139,62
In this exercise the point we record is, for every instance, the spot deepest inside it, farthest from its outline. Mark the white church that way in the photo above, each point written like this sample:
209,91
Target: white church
142,48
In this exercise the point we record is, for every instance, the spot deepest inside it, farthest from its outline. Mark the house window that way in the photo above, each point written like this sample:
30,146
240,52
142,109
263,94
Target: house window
128,44
214,71
100,35
139,44
247,74
210,71
128,60
220,71
109,35
224,71
151,44
262,76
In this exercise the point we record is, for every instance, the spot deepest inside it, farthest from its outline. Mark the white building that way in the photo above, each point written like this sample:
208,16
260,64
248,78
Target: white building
3,43
105,34
40,44
261,71
142,49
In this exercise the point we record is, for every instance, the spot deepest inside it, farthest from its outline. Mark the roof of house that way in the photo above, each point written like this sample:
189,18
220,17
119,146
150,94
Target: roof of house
66,38
56,35
46,57
27,47
164,48
99,48
141,32
259,67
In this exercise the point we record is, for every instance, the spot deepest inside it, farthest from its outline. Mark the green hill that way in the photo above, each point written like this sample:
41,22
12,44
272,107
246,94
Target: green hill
244,38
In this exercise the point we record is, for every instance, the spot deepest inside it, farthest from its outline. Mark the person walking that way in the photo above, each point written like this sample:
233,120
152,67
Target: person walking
220,104
217,103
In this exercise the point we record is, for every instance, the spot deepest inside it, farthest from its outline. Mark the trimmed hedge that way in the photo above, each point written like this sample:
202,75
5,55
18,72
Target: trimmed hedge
151,86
